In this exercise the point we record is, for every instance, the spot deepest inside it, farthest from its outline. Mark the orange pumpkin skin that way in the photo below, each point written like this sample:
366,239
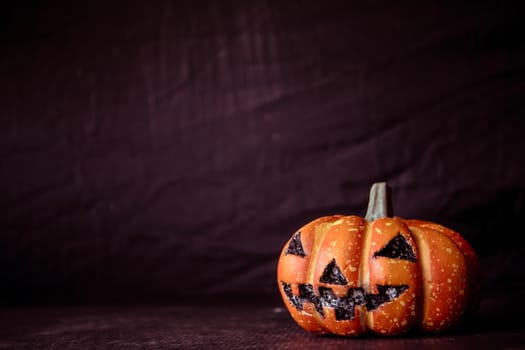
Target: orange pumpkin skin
340,277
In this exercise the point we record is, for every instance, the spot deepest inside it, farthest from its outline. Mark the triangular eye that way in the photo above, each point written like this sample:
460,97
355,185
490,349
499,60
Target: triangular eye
296,247
332,274
398,248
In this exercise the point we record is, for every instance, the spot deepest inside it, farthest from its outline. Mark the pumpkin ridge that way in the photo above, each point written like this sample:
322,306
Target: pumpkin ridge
364,273
424,267
469,254
320,234
432,283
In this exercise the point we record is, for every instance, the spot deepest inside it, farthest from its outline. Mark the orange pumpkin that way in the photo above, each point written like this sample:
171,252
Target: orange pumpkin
349,275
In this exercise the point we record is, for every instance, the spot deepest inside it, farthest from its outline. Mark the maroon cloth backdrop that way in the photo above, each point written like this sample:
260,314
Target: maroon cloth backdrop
168,149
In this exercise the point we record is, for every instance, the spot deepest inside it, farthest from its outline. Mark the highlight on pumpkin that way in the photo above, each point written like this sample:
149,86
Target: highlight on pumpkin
349,275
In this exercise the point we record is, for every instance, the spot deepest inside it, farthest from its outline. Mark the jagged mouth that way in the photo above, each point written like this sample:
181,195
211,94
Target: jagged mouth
344,307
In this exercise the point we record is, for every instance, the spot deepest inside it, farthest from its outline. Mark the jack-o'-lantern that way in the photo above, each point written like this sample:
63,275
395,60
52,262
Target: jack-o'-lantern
349,275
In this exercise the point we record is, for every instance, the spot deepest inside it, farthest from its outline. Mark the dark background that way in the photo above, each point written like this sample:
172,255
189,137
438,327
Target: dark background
167,150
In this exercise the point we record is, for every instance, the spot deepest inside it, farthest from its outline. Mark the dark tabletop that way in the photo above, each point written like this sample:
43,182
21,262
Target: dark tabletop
239,325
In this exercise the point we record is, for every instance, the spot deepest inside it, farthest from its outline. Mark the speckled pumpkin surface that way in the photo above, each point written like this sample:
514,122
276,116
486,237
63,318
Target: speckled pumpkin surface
349,275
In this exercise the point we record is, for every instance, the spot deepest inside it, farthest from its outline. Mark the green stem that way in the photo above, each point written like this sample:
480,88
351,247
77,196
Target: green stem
379,204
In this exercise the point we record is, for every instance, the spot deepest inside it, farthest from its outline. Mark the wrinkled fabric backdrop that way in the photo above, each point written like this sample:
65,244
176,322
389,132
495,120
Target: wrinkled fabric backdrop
167,150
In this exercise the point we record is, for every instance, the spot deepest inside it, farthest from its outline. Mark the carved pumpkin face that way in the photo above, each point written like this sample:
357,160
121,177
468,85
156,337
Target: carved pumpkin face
346,275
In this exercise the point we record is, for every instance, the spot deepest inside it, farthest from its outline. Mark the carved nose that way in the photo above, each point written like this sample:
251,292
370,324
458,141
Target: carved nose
332,274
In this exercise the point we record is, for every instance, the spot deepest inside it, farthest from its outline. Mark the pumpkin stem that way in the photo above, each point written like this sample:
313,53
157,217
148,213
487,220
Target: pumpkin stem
380,202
